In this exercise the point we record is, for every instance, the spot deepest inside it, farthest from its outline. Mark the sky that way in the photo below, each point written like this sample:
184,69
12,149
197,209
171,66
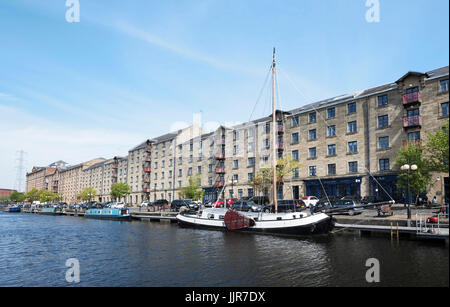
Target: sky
137,69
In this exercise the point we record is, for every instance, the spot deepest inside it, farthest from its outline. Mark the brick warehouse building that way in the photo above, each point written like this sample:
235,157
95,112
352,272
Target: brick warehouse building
346,145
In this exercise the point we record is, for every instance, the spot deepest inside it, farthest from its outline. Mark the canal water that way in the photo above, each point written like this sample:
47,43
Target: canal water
34,250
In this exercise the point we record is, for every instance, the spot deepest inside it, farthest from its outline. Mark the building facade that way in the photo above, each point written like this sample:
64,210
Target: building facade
345,145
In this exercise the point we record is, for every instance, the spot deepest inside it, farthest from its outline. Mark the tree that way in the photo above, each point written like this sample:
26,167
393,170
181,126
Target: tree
48,196
436,150
87,194
418,179
120,190
33,195
17,197
193,190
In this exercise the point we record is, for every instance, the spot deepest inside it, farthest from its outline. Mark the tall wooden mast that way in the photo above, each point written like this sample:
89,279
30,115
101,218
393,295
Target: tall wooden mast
274,136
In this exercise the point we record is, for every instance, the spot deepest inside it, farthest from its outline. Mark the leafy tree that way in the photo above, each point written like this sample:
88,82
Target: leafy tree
418,179
436,150
120,190
87,194
33,195
17,197
47,196
193,190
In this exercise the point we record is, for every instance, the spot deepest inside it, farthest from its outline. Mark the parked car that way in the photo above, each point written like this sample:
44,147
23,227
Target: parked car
286,206
246,205
219,203
144,204
260,200
161,203
310,200
347,206
188,203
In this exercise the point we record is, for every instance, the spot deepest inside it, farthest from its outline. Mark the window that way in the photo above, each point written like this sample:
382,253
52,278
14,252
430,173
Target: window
351,127
251,132
295,155
251,161
240,193
331,112
190,158
353,167
210,181
353,147
312,134
266,144
235,178
444,85
235,149
180,173
412,90
331,169
199,169
383,121
331,131
444,108
414,136
250,192
295,138
312,171
383,100
250,177
332,150
351,108
383,142
294,121
296,173
413,112
251,147
267,128
312,153
210,168
235,135
312,117
236,164
190,171
384,164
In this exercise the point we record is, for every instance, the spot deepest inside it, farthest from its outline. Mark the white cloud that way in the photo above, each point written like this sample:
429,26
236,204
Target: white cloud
46,142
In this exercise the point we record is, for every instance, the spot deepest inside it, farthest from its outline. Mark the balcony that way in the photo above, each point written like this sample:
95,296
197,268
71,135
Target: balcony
146,190
412,121
147,169
220,184
148,159
280,128
280,146
114,175
220,141
220,170
148,149
220,156
411,98
115,166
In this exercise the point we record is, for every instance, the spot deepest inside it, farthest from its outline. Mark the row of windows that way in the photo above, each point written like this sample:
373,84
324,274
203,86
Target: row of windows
383,164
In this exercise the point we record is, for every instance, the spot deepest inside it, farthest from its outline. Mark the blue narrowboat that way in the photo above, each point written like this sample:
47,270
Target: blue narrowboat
108,214
14,209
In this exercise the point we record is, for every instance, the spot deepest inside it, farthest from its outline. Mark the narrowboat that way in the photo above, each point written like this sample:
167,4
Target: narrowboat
51,211
122,214
14,209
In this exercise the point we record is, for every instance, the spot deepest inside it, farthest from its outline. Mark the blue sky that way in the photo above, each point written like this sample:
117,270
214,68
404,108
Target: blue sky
130,70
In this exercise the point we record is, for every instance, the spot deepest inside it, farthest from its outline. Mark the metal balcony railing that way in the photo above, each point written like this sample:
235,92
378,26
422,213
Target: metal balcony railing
411,98
412,121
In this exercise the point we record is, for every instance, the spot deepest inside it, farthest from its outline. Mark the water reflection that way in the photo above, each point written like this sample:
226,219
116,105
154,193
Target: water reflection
35,248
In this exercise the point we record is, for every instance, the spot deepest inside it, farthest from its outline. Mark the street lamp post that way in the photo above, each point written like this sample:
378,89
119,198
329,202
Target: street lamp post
409,168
